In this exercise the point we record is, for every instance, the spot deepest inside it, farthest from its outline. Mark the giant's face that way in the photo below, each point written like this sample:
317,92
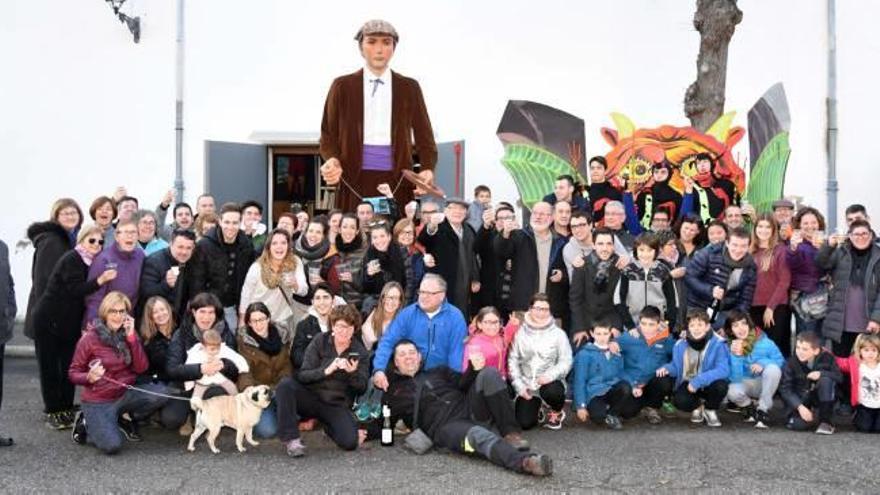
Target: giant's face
377,50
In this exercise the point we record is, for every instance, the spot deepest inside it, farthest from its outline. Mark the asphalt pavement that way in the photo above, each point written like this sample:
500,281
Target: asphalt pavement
673,457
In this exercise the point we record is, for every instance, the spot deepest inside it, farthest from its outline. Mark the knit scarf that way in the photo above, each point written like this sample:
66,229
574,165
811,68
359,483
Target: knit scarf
349,247
84,254
114,340
307,252
271,344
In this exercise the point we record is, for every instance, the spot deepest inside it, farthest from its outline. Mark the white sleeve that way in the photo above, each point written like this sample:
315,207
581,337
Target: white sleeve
302,286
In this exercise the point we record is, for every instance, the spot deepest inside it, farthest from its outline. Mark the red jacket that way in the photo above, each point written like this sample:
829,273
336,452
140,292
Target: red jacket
850,366
90,347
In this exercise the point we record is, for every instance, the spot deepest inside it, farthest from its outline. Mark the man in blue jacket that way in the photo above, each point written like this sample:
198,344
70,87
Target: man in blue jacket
436,327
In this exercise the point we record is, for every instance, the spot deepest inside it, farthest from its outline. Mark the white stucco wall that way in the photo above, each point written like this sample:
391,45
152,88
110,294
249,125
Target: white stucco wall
84,109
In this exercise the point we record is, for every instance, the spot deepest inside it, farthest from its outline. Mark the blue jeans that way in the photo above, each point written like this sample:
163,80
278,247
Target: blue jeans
802,325
102,429
267,427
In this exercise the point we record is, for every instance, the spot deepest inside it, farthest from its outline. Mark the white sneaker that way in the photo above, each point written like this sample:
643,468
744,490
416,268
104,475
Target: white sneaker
711,418
697,415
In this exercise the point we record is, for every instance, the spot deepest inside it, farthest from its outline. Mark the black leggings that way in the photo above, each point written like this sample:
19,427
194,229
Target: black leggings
53,357
618,401
552,393
780,332
867,419
296,402
712,394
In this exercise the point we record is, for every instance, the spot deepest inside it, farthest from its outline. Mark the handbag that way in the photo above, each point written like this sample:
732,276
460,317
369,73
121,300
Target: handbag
813,306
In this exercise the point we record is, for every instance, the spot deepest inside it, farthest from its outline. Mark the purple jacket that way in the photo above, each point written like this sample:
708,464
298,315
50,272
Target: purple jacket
127,278
805,273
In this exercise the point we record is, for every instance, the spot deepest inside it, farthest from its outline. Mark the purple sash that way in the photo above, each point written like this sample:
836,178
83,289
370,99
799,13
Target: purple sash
377,157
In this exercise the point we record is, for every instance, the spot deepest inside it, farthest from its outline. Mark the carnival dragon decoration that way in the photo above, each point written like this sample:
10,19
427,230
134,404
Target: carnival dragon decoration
536,153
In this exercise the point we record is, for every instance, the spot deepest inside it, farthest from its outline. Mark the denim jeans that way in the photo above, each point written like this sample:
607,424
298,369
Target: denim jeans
267,427
102,429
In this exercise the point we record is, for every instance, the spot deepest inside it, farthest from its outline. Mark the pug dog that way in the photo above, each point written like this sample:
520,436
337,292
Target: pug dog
241,411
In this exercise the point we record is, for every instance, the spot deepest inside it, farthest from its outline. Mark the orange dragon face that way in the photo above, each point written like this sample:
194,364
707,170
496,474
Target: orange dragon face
635,151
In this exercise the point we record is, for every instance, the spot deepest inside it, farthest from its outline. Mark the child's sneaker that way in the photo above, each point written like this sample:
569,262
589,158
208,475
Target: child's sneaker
613,422
652,415
825,429
668,409
748,413
697,415
554,420
59,421
762,420
711,418
79,428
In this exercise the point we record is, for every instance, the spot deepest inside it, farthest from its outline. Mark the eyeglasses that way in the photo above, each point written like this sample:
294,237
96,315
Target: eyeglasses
860,234
430,292
117,311
259,320
96,241
375,224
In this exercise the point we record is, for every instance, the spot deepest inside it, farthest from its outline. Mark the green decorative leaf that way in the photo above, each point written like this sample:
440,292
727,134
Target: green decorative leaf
768,175
534,170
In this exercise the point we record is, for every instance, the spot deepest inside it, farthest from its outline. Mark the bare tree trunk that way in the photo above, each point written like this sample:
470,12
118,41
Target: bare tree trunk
704,100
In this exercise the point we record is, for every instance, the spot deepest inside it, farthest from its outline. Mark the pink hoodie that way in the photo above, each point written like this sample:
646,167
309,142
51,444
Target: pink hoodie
494,349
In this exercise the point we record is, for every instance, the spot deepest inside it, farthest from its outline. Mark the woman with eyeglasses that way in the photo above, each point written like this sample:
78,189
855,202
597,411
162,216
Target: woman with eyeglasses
383,262
266,348
414,262
853,260
148,232
58,316
389,304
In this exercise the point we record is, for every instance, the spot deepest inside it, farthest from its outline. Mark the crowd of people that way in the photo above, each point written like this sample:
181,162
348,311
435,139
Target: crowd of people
466,325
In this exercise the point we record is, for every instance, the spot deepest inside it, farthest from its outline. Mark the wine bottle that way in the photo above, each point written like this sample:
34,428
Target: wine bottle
387,432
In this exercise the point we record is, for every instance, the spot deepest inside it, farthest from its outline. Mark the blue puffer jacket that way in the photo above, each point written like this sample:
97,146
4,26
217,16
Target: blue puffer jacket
716,363
595,372
640,361
764,352
440,339
708,269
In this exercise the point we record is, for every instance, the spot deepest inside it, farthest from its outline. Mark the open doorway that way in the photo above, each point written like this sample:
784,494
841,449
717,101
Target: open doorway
295,181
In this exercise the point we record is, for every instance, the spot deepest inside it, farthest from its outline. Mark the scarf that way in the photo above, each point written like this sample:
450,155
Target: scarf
730,262
114,340
271,278
84,254
219,326
657,338
859,265
308,252
698,344
535,326
602,271
271,344
348,247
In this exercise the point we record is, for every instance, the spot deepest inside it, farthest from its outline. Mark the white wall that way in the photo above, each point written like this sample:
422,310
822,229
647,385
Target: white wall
84,109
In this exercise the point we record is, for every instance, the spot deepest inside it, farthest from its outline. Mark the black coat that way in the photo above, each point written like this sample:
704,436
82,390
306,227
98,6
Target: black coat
157,353
183,340
589,301
838,262
50,242
339,388
523,253
794,385
7,296
444,247
443,397
306,330
393,263
59,311
153,281
491,266
211,262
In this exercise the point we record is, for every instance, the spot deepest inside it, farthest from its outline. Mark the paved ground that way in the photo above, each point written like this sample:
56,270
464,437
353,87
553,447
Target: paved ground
672,457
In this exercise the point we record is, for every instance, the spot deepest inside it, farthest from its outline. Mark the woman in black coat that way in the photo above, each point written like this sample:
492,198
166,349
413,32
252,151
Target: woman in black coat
384,262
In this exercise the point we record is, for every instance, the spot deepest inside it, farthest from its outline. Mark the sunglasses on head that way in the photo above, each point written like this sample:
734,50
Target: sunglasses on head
98,241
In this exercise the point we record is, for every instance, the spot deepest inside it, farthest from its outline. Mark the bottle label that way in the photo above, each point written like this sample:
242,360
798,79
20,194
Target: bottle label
387,436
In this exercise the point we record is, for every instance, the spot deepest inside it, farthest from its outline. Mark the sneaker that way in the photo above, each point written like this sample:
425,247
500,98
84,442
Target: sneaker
652,415
130,429
825,429
538,465
295,448
59,421
697,415
668,409
762,419
613,422
517,441
711,418
554,420
79,429
749,414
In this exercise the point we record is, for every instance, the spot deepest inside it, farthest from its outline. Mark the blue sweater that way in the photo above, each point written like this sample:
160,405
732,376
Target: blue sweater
594,374
764,352
640,362
715,366
440,339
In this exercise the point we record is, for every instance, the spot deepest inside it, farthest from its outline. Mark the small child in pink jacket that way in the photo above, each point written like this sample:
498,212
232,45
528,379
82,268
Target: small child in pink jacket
489,339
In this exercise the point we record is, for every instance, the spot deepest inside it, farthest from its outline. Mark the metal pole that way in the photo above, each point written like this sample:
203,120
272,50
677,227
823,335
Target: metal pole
178,105
831,108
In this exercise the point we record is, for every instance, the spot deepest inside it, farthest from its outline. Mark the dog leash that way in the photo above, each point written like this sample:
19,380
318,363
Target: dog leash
145,391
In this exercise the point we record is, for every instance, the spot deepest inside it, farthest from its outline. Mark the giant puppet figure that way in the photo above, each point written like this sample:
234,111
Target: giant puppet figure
374,121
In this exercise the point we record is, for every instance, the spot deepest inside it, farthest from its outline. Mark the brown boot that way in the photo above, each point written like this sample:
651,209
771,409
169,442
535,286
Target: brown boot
538,465
517,441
